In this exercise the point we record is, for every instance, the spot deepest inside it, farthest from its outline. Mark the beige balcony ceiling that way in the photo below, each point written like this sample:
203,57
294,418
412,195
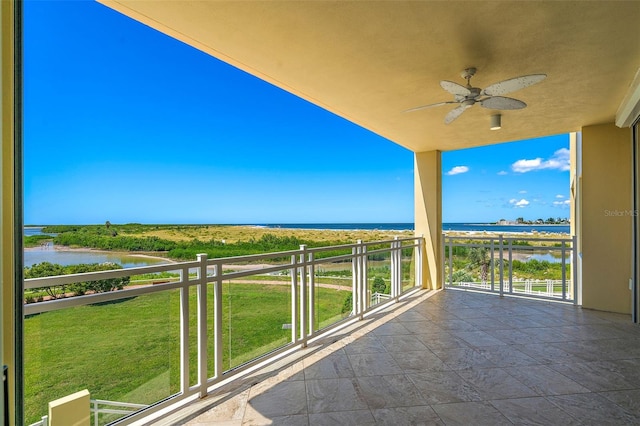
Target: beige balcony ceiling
369,61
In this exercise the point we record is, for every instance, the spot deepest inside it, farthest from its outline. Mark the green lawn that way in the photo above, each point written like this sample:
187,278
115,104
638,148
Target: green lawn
129,350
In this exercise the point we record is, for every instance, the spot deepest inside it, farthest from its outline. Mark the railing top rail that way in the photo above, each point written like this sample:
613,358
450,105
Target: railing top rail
104,275
372,243
506,239
90,299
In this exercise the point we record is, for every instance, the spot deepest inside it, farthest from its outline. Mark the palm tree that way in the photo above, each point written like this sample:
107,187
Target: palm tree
479,258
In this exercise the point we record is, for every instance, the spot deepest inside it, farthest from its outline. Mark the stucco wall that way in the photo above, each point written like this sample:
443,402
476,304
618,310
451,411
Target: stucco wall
605,228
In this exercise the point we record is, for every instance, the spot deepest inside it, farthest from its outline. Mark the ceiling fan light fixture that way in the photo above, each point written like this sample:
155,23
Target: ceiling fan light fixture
496,121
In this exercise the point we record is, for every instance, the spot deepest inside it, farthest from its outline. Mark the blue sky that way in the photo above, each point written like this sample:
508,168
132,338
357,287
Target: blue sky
528,179
122,123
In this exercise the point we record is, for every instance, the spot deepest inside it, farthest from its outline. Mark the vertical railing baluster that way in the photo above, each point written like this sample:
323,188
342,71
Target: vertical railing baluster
217,297
418,251
398,252
443,256
501,248
451,261
354,280
303,295
366,296
493,265
184,331
574,275
294,299
400,282
564,272
394,278
202,324
312,292
510,266
361,287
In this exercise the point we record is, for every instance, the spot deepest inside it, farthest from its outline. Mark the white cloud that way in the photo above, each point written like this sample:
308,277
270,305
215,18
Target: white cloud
562,204
522,192
523,166
457,170
558,161
502,173
518,203
559,196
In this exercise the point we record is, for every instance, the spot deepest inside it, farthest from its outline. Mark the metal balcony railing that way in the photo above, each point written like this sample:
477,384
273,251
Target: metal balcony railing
202,322
522,266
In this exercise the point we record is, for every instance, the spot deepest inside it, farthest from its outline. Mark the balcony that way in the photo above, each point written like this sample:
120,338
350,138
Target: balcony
176,331
187,352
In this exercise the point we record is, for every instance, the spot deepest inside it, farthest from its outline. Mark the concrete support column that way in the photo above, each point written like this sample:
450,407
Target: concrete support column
605,226
428,214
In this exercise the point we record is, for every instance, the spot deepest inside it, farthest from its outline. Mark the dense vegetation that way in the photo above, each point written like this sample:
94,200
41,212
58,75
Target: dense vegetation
36,240
473,264
110,238
120,238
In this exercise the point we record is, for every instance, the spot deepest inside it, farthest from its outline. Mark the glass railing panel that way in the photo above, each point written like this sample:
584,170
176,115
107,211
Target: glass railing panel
379,277
193,335
537,269
469,264
332,292
256,311
125,350
408,268
211,327
530,266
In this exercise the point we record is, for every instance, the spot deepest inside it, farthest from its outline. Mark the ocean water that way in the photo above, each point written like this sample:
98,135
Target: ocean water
401,226
564,229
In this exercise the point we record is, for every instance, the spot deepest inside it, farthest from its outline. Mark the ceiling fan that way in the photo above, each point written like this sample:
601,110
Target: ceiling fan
490,97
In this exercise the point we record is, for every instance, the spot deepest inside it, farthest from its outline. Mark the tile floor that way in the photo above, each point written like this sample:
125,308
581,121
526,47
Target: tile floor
448,358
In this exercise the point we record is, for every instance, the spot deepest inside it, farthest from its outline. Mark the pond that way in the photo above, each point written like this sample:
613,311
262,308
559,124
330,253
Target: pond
548,257
64,256
73,257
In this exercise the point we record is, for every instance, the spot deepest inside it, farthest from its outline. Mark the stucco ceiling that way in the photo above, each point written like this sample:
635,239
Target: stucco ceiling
369,61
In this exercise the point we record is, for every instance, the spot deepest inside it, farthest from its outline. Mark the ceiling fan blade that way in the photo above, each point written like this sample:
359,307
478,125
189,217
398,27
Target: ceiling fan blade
454,88
500,102
429,106
511,85
455,113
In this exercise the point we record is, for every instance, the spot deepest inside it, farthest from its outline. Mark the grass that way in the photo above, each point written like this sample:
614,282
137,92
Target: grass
129,350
